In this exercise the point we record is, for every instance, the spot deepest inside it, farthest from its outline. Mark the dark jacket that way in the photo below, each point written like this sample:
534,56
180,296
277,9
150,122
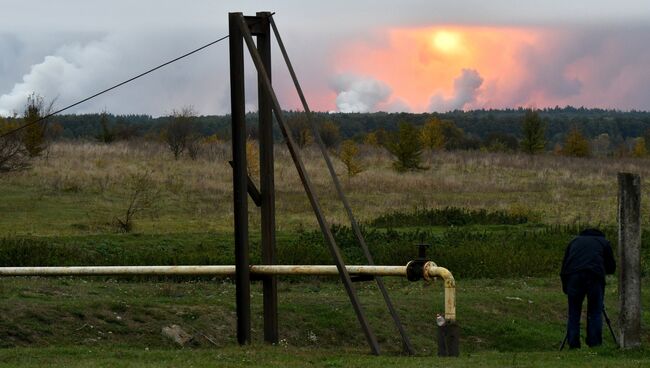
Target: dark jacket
589,251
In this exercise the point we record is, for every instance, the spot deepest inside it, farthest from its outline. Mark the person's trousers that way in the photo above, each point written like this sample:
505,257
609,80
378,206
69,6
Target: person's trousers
579,285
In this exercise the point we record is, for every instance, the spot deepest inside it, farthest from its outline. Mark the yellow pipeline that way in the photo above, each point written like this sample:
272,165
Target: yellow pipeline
430,271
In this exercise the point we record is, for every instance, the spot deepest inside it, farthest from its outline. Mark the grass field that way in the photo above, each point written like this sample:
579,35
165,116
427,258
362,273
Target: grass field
510,306
81,187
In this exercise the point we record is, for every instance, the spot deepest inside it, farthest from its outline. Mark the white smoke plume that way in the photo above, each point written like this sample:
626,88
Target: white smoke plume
359,94
79,69
466,89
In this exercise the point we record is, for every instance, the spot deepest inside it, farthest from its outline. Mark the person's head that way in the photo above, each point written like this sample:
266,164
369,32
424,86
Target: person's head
591,232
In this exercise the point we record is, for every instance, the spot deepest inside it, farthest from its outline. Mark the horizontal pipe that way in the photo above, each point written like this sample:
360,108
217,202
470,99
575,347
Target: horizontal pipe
318,270
430,271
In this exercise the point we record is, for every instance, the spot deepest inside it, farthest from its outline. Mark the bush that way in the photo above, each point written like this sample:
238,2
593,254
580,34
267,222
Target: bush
348,155
406,146
513,252
449,216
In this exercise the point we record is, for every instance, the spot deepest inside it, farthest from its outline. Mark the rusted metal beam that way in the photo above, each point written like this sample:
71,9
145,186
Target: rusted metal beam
251,188
267,183
408,347
240,179
313,199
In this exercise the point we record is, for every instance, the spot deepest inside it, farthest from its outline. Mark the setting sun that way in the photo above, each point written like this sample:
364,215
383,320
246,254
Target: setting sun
446,42
418,63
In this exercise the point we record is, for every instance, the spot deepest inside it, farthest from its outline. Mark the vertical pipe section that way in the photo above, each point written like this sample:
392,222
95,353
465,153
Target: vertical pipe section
270,288
313,199
629,254
240,180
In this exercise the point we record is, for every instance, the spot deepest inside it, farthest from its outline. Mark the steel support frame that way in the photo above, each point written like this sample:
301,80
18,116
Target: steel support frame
237,20
267,182
243,185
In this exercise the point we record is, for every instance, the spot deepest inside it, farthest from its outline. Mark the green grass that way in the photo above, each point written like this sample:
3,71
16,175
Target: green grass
266,356
510,306
80,322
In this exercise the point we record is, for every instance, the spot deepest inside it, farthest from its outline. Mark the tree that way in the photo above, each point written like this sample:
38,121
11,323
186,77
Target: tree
299,130
639,149
13,156
432,135
371,139
455,137
601,145
107,135
576,144
406,146
179,130
348,154
534,129
34,134
439,134
329,134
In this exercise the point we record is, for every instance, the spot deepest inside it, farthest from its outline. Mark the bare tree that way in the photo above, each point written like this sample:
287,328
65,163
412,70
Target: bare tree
142,196
179,132
13,155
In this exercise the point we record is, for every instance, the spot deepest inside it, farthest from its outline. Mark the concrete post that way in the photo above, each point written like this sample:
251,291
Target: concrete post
629,255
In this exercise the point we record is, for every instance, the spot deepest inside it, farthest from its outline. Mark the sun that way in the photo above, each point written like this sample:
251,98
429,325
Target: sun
446,42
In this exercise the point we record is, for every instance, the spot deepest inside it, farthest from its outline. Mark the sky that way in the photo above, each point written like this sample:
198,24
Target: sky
350,56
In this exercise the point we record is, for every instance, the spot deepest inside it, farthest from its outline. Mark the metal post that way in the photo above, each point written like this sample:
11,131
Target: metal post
629,254
240,180
267,190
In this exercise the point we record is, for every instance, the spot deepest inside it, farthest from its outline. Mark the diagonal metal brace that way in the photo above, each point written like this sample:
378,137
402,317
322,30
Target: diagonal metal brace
408,347
313,199
253,192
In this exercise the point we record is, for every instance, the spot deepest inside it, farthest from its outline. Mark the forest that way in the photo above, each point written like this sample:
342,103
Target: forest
477,125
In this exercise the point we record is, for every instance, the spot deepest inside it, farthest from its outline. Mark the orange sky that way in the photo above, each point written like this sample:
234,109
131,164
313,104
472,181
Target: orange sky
420,62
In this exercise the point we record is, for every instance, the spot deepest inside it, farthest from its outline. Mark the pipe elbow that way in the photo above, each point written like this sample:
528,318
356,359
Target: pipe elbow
432,270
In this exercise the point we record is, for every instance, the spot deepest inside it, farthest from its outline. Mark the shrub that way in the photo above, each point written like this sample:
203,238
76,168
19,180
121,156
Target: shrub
406,146
448,216
576,144
348,155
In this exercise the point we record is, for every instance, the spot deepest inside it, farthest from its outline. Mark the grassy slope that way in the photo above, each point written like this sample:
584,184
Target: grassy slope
75,322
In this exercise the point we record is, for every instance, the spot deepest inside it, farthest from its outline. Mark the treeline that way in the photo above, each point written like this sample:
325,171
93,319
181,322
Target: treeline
571,131
476,124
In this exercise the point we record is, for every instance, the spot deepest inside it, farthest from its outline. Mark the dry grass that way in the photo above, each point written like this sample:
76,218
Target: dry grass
197,194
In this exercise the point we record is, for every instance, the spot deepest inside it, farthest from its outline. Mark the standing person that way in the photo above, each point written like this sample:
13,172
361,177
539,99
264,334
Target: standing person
587,259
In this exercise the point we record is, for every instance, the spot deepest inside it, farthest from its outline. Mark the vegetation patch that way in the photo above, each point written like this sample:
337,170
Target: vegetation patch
450,216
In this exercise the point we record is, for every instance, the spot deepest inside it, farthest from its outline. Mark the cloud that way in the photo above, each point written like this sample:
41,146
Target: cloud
358,93
466,90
